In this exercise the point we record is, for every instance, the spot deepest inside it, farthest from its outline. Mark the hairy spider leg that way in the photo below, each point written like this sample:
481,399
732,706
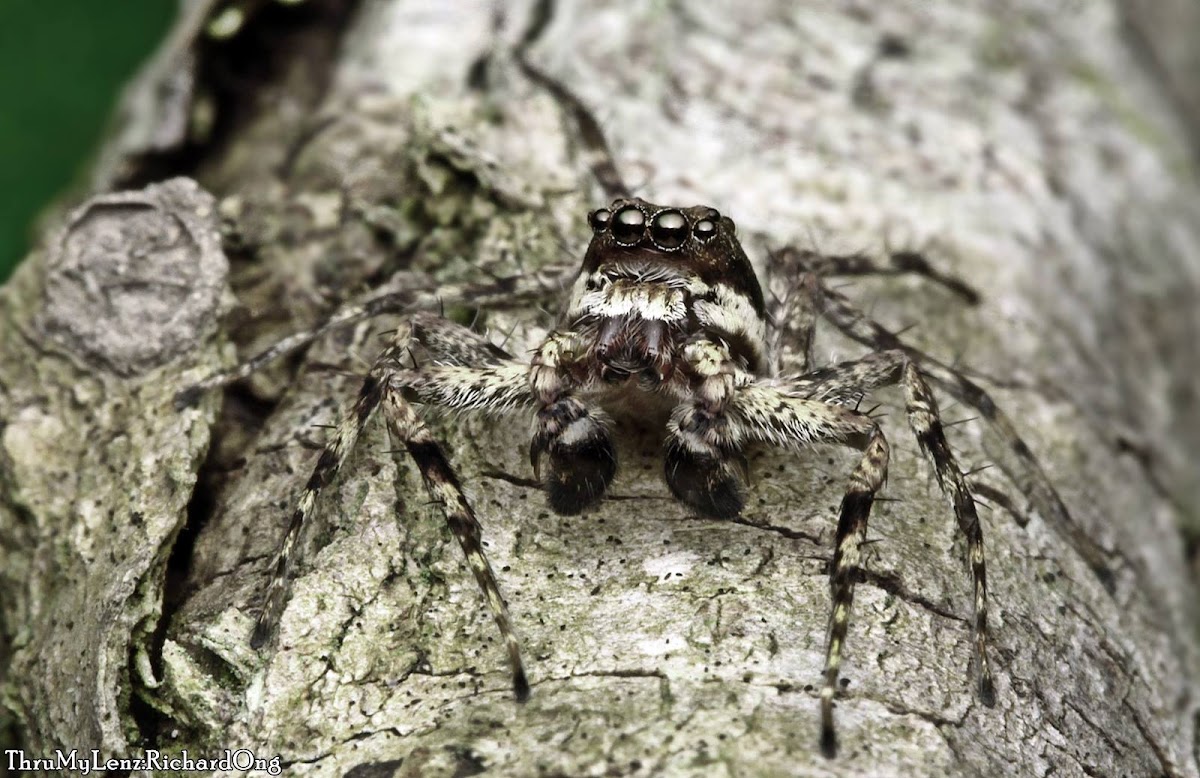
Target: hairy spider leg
444,489
859,264
795,309
1012,454
800,299
498,384
926,424
868,477
339,446
509,291
841,383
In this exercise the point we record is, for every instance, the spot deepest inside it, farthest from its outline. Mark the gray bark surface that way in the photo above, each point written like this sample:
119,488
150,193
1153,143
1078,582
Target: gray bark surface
1020,146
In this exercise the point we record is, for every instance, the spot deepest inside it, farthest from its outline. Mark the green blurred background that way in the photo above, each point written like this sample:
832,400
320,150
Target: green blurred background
62,66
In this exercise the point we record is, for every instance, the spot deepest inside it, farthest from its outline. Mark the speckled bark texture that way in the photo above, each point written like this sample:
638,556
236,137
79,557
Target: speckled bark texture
1017,143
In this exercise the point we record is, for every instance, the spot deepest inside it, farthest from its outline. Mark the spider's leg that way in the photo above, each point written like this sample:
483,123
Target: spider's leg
575,434
858,264
847,380
927,426
479,376
769,414
1013,455
444,488
598,154
332,457
844,383
868,477
795,310
503,291
500,384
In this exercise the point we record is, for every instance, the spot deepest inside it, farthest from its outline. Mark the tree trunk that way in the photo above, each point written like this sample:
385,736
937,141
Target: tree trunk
1020,149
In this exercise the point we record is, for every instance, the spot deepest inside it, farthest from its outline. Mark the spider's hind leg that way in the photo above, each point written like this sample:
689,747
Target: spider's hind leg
926,424
1004,444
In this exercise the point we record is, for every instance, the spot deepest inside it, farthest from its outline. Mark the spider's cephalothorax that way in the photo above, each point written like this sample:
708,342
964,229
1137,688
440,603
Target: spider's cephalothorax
667,306
653,277
665,300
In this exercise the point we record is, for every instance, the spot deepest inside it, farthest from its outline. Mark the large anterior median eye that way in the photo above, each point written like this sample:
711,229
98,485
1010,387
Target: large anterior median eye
668,230
628,225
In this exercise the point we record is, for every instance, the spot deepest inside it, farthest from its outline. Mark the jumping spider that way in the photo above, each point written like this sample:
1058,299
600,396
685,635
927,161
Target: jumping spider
665,303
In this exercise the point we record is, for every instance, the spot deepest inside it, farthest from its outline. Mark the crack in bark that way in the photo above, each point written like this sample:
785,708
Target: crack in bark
1164,760
893,585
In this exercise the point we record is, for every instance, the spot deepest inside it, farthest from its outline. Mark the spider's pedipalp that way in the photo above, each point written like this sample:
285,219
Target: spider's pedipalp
582,457
573,433
703,462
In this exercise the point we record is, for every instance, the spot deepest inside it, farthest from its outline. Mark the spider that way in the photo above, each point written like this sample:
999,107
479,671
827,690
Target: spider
665,304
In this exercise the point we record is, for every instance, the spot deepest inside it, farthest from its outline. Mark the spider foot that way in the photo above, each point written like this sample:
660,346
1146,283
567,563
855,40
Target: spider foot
711,483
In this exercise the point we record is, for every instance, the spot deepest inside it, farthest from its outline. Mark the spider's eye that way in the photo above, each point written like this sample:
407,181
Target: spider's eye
628,225
599,220
669,230
705,229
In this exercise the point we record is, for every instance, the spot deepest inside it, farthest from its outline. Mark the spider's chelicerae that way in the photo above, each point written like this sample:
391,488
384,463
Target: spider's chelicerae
665,303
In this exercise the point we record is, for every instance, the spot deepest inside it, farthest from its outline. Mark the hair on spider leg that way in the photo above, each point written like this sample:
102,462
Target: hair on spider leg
508,335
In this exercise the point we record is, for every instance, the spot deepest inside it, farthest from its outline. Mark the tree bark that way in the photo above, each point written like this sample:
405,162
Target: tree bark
1022,150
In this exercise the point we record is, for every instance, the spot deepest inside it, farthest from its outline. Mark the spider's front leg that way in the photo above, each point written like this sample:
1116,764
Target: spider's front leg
772,419
776,415
494,382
